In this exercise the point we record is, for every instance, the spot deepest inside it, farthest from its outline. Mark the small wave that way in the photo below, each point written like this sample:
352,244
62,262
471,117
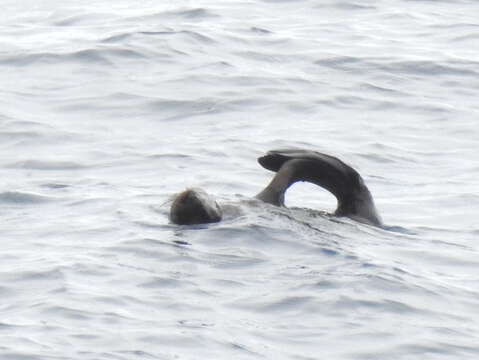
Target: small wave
16,135
382,90
263,56
432,108
411,67
339,61
85,19
456,26
198,13
186,107
19,356
344,101
100,56
353,6
191,34
46,165
276,304
25,124
68,312
55,275
378,158
259,30
10,327
149,248
399,229
281,1
195,35
235,261
109,102
468,37
170,156
385,305
17,197
89,56
160,283
117,37
55,186
6,292
428,67
104,57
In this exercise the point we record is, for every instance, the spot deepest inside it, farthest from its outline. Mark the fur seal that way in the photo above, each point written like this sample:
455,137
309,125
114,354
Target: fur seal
195,206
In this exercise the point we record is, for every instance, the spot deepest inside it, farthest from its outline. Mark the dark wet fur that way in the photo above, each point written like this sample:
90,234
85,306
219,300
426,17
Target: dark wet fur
189,208
345,183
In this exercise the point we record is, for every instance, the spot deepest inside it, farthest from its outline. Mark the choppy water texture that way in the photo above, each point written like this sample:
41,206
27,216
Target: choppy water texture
107,108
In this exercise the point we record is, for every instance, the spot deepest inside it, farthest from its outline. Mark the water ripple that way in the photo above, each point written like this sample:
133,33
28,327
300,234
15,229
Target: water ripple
109,108
17,197
50,165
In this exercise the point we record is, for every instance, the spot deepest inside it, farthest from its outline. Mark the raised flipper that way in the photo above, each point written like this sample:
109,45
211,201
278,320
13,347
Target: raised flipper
345,183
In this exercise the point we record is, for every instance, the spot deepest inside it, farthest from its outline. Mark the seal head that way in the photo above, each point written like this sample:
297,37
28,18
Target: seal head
194,206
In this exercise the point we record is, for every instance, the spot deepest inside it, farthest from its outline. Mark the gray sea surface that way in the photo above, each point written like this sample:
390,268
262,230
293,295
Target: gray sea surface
109,108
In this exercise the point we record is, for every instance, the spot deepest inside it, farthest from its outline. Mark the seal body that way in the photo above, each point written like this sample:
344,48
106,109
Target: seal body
194,206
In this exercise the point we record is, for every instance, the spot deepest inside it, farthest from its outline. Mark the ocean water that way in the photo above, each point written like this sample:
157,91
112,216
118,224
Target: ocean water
109,108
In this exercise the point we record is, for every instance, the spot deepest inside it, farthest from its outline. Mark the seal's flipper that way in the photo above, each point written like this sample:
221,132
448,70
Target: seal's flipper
345,183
